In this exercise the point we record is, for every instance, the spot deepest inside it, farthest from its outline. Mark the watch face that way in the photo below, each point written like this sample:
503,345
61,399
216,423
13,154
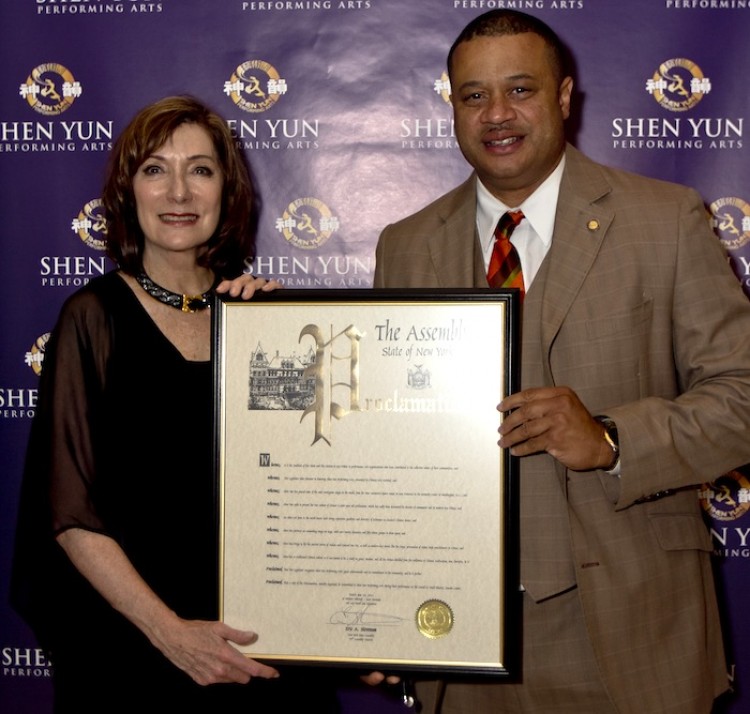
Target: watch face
610,428
611,437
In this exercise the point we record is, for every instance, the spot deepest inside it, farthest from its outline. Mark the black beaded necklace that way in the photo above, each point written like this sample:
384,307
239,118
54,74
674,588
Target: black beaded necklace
186,303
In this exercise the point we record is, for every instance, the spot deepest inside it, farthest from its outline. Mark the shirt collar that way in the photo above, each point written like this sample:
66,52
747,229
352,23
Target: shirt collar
539,208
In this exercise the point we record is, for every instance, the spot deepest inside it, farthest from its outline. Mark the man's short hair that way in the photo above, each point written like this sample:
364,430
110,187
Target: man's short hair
498,23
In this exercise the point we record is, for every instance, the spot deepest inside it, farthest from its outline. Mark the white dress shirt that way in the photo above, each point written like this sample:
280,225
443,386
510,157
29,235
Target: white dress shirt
533,236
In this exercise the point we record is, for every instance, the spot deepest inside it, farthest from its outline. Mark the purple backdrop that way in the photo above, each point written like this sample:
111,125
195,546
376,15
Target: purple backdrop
341,107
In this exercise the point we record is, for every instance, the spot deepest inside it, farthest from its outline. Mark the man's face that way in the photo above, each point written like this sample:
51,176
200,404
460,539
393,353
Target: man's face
509,112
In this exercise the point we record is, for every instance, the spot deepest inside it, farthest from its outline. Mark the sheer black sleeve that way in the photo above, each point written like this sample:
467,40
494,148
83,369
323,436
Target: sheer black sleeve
70,410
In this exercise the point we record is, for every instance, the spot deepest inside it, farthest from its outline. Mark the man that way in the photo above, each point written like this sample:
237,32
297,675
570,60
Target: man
635,387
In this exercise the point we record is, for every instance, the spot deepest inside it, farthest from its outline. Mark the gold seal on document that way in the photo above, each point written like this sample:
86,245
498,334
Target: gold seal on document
434,619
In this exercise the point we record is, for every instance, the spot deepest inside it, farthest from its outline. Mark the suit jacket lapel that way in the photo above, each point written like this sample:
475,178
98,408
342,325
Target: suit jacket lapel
454,249
580,227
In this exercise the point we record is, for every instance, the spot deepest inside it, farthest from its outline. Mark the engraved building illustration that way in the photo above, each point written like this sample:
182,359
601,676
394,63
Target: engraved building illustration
279,382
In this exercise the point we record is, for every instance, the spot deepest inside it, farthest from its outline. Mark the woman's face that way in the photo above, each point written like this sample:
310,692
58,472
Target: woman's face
178,192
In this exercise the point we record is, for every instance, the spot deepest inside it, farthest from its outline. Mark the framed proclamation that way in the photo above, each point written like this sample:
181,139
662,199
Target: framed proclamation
367,516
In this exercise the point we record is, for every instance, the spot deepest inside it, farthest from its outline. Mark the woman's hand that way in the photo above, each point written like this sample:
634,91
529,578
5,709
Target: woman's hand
202,649
246,285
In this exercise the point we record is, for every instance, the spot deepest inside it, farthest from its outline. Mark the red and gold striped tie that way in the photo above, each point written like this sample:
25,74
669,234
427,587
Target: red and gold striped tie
505,265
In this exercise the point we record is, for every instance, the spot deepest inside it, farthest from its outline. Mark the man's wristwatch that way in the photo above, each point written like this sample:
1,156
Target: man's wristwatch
610,436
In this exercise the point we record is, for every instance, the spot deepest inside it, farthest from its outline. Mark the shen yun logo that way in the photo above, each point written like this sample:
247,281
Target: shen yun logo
307,223
255,86
726,502
50,89
678,85
91,225
731,218
442,87
34,358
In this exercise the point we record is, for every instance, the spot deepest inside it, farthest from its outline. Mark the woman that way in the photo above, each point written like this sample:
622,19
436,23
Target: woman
117,569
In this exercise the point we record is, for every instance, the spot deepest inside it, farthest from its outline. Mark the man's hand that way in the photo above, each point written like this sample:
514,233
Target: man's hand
375,678
554,420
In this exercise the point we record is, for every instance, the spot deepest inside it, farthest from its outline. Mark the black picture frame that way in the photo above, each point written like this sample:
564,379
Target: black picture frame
289,489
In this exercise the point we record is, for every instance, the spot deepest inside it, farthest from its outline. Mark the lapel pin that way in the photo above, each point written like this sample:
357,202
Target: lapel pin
593,224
